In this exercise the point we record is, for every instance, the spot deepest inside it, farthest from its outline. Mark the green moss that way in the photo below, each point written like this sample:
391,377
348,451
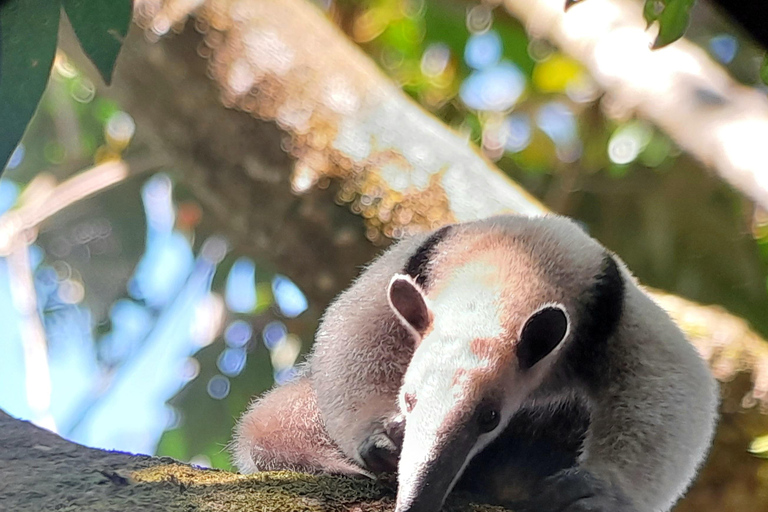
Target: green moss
280,491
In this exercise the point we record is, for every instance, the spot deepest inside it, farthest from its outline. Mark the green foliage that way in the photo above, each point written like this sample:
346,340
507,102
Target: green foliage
651,11
673,20
101,26
764,70
28,34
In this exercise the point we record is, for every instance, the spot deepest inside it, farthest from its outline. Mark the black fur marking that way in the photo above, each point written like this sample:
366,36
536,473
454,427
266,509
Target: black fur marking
536,443
542,332
417,264
588,354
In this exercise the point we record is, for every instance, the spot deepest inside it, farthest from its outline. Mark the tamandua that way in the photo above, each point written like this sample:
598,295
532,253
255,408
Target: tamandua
511,357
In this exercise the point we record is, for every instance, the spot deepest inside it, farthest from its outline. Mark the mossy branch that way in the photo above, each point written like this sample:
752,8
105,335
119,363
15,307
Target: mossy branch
41,471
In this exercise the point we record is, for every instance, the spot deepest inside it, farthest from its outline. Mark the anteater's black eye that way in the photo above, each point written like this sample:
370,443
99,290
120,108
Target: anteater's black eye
488,419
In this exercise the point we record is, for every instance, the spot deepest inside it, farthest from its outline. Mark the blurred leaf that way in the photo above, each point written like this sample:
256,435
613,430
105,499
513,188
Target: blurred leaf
219,457
101,26
764,70
571,3
264,297
657,151
651,11
28,32
673,21
173,444
759,447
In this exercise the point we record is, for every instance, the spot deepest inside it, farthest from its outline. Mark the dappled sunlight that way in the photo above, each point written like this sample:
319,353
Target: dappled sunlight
154,277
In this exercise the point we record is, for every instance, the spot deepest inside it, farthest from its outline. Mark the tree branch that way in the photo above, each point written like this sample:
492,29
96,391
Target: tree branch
678,88
401,168
41,471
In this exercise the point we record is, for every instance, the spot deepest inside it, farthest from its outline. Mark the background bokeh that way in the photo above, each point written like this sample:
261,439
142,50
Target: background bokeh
128,321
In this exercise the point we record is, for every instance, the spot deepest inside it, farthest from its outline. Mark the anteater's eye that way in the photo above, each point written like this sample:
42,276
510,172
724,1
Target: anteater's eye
488,419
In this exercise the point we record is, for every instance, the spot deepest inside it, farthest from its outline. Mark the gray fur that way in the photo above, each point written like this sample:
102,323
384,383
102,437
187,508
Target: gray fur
652,426
360,354
283,431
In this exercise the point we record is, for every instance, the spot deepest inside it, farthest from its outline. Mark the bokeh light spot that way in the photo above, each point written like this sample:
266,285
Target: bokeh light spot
82,90
288,296
240,292
724,48
435,59
518,132
157,195
483,50
494,89
36,255
71,292
628,141
284,354
214,249
218,387
285,375
16,157
201,461
558,122
190,369
231,361
238,334
273,334
555,73
119,129
479,18
174,418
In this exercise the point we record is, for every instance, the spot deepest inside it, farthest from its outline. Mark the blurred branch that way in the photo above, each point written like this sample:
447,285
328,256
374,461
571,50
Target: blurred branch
679,88
18,230
726,341
37,378
43,198
279,60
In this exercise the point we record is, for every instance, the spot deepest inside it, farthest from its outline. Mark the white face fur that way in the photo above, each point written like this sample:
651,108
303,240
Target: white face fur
450,377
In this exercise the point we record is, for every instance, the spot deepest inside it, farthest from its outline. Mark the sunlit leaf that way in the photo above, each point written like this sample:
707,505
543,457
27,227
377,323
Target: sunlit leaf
555,73
28,32
759,447
101,26
764,70
673,21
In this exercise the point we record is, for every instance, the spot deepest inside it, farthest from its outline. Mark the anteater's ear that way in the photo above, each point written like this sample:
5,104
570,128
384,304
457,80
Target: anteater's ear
407,300
542,333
